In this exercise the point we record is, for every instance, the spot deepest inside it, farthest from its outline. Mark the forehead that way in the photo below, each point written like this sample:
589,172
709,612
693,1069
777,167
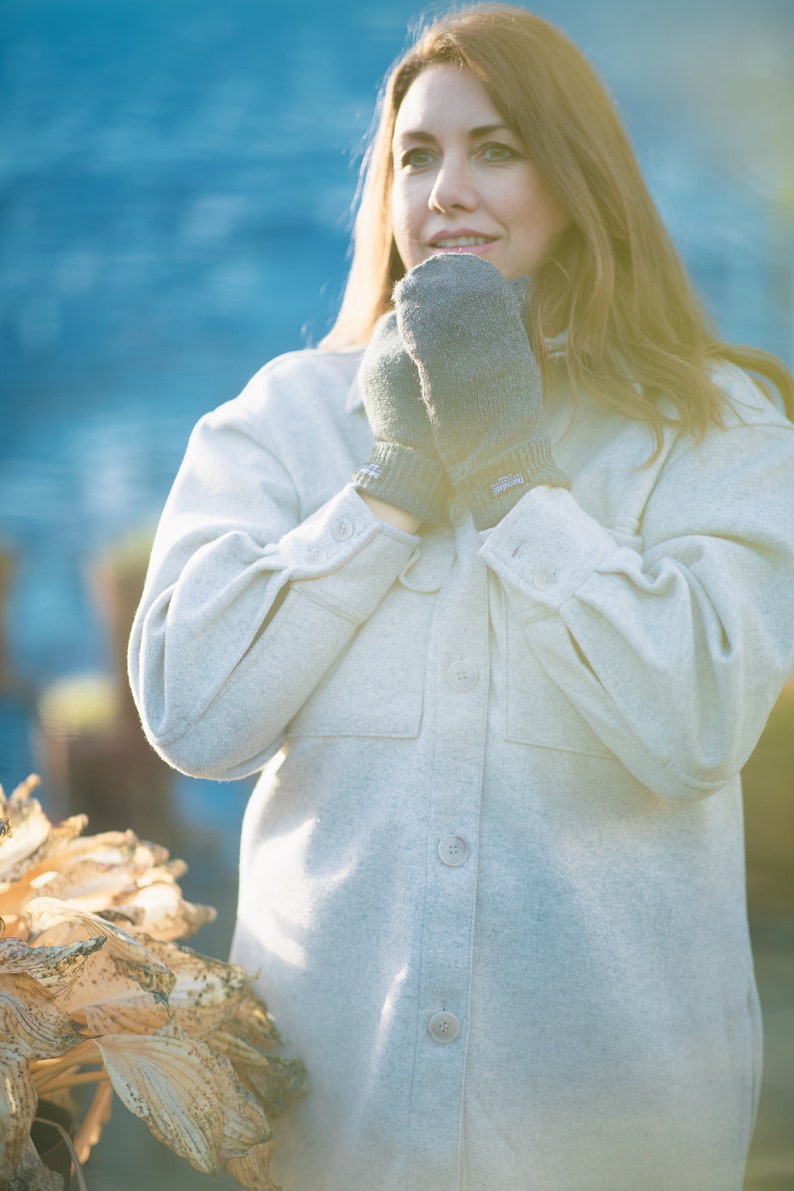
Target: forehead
445,97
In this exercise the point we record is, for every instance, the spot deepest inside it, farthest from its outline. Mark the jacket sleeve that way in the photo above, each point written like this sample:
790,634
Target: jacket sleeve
672,650
246,605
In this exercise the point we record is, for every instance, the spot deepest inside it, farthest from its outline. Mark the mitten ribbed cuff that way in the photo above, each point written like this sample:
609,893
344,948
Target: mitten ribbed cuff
407,479
492,491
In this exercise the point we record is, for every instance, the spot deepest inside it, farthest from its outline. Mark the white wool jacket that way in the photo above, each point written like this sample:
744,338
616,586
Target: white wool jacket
492,874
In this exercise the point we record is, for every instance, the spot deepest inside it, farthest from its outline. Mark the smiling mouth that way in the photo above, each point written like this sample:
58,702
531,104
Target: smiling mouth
462,242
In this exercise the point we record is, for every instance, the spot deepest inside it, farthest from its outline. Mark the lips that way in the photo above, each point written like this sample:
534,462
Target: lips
462,242
459,239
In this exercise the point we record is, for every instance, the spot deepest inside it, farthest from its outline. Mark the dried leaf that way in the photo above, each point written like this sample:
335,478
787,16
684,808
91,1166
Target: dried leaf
28,842
92,870
88,882
53,1077
253,1170
62,835
102,915
240,1053
123,916
247,1144
58,922
253,1022
206,992
277,1083
161,868
111,1002
56,968
14,926
17,1109
166,914
135,1016
188,1096
28,830
167,1081
20,794
31,1023
120,847
33,1175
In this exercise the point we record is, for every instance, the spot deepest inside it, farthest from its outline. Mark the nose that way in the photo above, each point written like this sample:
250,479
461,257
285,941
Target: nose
453,187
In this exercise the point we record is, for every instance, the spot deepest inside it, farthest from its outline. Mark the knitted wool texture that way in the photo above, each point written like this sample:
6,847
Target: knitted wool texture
404,468
462,324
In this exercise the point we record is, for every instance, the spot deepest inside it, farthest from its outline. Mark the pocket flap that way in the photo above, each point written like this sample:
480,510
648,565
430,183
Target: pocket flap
376,688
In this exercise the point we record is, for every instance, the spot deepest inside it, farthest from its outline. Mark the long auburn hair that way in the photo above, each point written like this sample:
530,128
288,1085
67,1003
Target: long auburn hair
636,330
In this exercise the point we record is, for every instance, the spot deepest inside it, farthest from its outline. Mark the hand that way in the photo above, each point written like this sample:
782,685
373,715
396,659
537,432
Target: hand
463,326
404,469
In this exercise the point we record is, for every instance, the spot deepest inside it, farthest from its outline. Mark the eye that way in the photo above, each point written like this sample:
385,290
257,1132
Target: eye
498,151
415,158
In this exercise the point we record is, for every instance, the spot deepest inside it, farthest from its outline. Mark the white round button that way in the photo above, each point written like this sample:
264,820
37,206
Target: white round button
342,529
453,850
443,1027
317,554
458,511
462,676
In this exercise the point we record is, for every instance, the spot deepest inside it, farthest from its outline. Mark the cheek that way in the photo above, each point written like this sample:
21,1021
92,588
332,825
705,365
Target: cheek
401,208
543,224
534,209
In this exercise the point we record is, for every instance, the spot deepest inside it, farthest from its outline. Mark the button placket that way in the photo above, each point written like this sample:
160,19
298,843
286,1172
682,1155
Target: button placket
462,675
456,711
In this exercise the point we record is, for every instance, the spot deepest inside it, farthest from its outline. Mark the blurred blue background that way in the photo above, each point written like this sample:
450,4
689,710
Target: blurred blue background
176,178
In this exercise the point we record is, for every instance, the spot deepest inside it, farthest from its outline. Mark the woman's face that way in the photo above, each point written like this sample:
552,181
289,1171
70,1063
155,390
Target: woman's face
463,181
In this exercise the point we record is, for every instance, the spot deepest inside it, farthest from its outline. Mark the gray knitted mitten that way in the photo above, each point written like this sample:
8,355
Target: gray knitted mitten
463,326
404,468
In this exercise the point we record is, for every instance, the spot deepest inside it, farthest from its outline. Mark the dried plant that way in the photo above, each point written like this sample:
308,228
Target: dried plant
95,989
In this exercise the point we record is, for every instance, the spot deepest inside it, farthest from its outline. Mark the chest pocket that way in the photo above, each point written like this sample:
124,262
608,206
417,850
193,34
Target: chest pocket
376,688
537,711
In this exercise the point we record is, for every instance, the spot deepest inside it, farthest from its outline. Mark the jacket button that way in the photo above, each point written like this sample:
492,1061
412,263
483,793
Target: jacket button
443,1027
453,850
316,554
462,676
342,529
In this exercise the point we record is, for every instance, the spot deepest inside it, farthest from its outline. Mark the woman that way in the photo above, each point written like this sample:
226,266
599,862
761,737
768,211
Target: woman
502,683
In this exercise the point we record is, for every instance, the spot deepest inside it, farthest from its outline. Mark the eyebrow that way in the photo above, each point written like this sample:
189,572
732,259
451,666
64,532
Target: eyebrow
474,134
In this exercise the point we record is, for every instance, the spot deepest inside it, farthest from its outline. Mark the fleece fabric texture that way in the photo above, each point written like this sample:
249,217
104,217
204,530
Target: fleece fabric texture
492,873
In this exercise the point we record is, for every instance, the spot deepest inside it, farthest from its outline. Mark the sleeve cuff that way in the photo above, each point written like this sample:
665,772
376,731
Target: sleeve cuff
546,547
344,558
407,479
491,492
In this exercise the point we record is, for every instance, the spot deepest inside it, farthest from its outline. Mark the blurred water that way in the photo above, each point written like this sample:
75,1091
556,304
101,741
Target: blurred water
175,179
